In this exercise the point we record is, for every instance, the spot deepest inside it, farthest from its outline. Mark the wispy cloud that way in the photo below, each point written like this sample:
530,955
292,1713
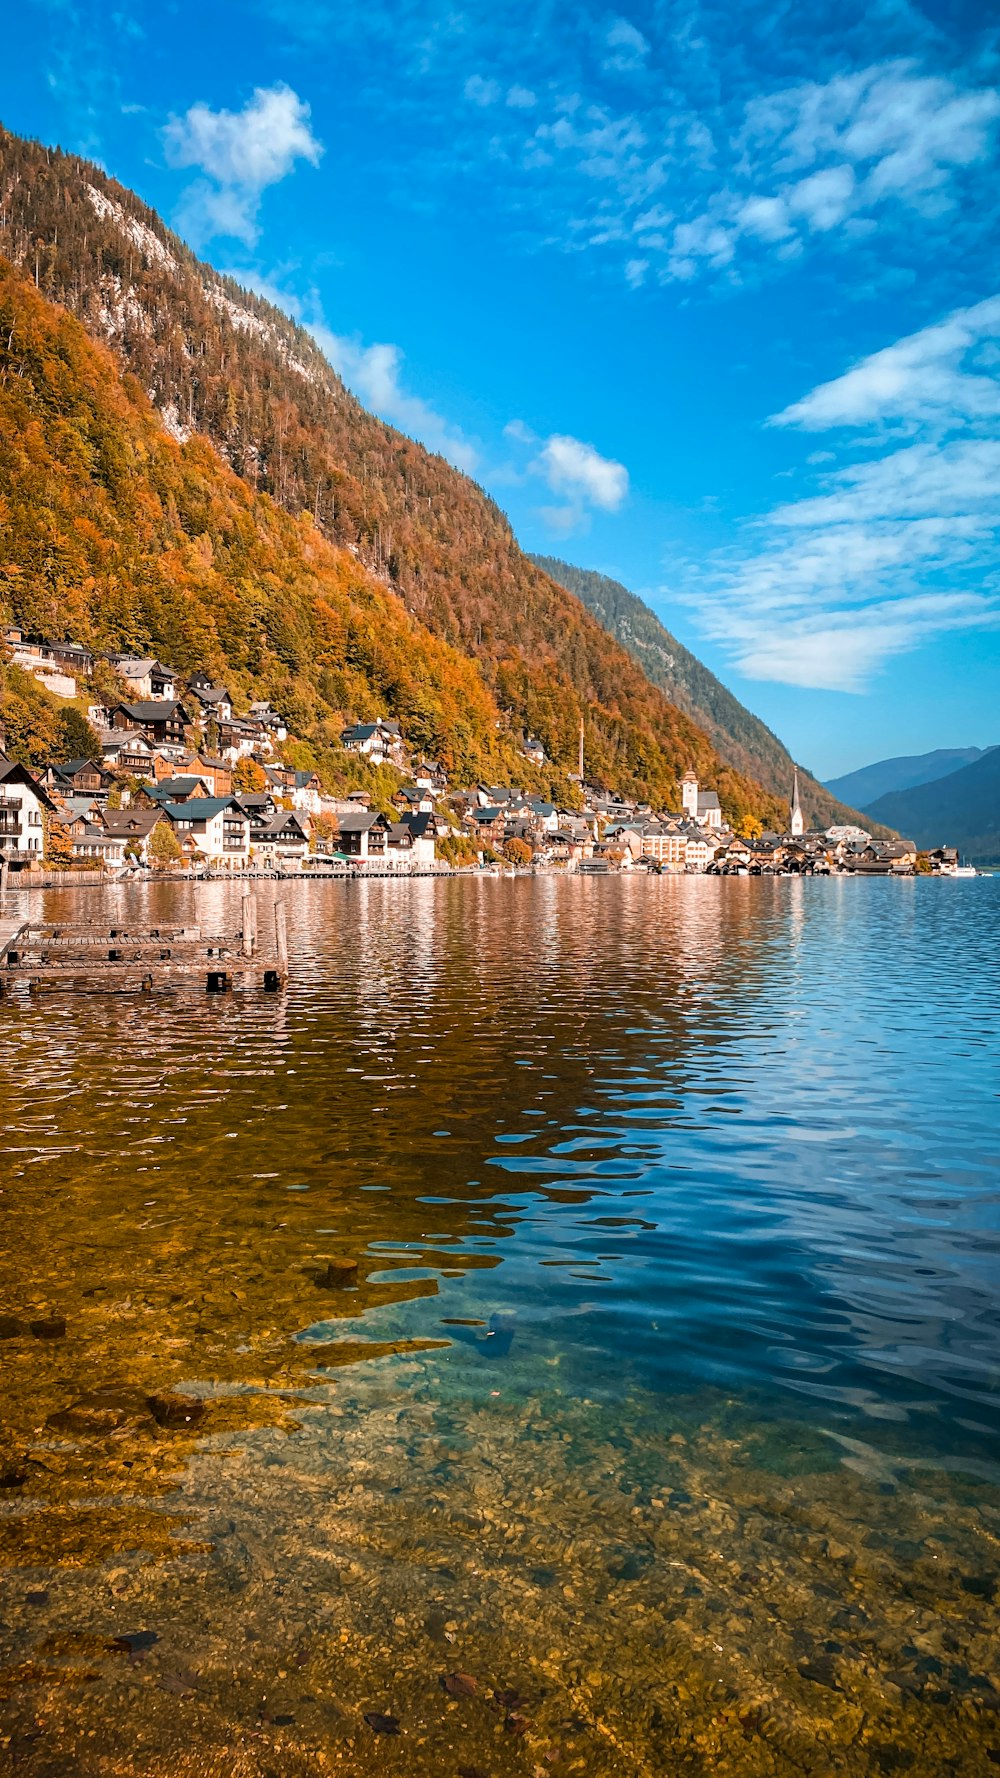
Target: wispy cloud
839,155
576,472
939,374
240,153
374,373
892,548
625,47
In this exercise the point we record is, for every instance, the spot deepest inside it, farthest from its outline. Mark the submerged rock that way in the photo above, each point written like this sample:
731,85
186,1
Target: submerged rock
134,1642
176,1410
381,1723
458,1685
11,1328
49,1327
337,1273
102,1411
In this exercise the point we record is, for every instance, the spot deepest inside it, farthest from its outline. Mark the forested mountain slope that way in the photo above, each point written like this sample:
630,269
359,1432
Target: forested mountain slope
739,735
117,536
218,362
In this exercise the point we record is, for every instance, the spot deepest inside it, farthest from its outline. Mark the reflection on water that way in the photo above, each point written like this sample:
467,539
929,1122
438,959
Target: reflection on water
558,1335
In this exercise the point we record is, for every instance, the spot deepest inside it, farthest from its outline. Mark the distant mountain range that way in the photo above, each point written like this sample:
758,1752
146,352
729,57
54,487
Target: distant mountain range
960,810
738,735
865,786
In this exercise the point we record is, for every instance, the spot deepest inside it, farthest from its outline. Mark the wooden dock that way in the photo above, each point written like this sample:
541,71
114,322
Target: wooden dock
126,956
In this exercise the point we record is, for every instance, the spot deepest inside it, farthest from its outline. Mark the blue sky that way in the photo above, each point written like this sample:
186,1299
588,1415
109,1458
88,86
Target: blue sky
708,297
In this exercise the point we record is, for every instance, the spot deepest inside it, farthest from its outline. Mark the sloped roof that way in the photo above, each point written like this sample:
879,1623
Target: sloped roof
126,823
154,710
202,808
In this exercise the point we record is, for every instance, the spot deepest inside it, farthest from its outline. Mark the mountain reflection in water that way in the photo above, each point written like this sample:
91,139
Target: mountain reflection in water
588,1294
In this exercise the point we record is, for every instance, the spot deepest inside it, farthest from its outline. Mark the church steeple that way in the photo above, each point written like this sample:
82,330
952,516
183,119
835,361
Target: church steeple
797,824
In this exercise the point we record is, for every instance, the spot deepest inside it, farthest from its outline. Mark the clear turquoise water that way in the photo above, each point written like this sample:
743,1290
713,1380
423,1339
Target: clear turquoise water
674,1204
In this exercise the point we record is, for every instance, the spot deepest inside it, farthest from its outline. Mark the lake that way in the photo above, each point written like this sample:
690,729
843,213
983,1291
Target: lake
587,1291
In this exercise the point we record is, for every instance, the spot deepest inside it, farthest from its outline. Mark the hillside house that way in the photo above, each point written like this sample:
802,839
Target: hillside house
56,665
270,721
24,804
422,829
283,837
178,790
78,777
488,826
91,840
147,677
363,835
134,828
214,826
375,741
126,750
698,850
413,800
161,722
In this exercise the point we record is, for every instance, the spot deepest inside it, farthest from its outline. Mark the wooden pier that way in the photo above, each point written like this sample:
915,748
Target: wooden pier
127,956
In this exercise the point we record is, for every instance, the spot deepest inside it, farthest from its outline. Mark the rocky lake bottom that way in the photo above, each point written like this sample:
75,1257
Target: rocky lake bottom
559,1335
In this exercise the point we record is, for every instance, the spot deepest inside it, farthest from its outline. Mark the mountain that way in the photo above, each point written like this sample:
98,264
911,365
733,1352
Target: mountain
868,783
245,393
961,810
739,736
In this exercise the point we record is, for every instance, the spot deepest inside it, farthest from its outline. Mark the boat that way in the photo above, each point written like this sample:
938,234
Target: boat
959,870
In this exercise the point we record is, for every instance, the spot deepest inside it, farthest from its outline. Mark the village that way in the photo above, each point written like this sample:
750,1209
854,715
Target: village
182,782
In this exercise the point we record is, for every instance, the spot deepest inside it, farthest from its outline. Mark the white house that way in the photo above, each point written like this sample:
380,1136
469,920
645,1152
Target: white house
698,851
148,677
284,837
376,741
215,825
23,806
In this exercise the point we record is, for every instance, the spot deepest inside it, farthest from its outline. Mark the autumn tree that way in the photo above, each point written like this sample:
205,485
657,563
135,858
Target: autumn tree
163,846
324,832
518,851
29,717
58,841
75,739
249,778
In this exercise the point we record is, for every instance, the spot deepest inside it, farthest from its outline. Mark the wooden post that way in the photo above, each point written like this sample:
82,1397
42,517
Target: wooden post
280,938
247,923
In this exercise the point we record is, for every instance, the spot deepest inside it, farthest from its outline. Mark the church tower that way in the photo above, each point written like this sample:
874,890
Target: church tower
689,793
797,823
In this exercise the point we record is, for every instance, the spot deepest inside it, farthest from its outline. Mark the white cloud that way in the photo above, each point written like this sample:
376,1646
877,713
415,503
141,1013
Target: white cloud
578,471
627,47
583,480
764,178
823,199
918,379
240,153
521,98
892,548
374,373
480,91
